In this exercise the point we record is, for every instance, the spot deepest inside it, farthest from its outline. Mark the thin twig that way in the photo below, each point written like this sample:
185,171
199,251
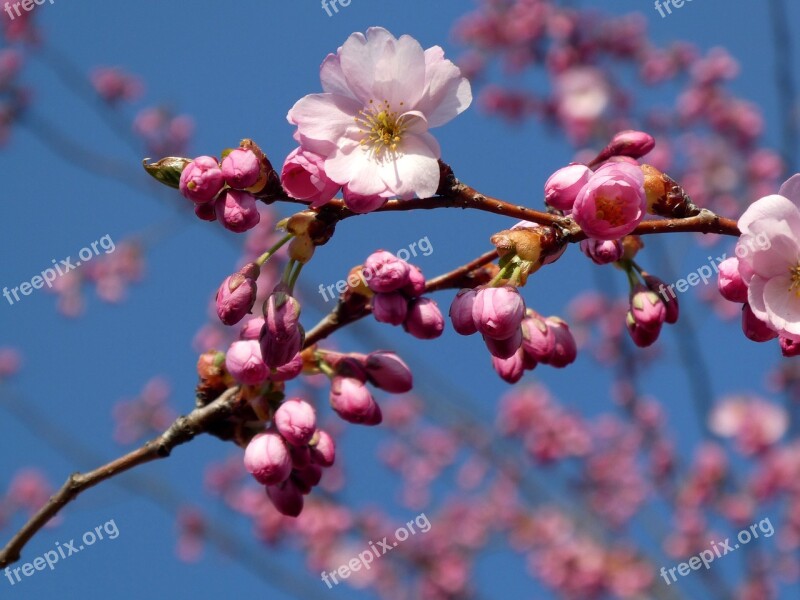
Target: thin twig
181,431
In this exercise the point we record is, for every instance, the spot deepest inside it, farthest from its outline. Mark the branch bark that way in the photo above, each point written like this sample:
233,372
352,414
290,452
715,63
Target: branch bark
184,429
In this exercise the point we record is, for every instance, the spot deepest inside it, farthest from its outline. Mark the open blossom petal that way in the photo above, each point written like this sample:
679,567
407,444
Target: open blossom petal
769,209
783,309
324,117
447,94
379,67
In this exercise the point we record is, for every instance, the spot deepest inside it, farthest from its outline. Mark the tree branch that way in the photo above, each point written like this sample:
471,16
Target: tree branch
184,429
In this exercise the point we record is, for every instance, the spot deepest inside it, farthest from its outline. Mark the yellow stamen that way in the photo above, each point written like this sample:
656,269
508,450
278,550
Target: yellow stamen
383,128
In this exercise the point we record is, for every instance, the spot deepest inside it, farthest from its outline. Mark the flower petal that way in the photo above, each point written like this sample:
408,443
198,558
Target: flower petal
354,166
791,189
772,207
381,68
332,77
755,298
782,304
324,117
447,93
417,169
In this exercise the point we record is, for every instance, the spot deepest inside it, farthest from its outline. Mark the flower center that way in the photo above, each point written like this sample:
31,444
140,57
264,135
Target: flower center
383,128
794,286
608,209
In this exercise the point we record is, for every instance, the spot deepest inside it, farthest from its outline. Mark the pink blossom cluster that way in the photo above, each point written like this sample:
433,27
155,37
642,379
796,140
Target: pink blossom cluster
221,191
289,457
587,56
146,415
14,97
114,85
111,274
163,133
27,492
398,287
10,362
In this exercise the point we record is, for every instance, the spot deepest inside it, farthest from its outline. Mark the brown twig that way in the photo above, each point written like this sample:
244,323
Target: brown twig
181,431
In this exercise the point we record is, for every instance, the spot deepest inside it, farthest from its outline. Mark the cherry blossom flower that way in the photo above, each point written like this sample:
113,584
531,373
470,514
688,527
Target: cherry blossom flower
381,96
772,270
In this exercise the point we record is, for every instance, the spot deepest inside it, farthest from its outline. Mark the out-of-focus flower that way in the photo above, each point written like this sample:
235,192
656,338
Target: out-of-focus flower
146,415
754,423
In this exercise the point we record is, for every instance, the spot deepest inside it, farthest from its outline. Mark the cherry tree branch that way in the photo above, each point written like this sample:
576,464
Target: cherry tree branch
184,429
453,193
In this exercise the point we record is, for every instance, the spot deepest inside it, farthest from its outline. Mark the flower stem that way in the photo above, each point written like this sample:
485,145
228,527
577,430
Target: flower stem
268,254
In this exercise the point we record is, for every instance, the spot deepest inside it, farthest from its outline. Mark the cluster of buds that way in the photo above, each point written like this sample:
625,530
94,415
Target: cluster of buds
288,458
494,312
220,191
397,288
652,304
246,363
544,340
349,373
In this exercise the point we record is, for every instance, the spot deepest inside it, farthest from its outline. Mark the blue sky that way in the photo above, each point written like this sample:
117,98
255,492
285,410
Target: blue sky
236,68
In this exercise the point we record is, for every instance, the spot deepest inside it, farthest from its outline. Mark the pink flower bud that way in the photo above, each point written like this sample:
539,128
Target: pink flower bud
303,177
252,329
237,211
789,347
280,352
241,168
352,401
647,308
566,350
301,456
416,282
305,479
388,372
612,203
755,329
511,369
323,449
237,294
563,186
498,312
602,252
282,337
243,361
201,180
641,336
667,296
538,340
360,203
504,348
289,370
296,421
267,458
385,272
286,498
461,312
730,282
633,144
206,212
390,308
425,320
